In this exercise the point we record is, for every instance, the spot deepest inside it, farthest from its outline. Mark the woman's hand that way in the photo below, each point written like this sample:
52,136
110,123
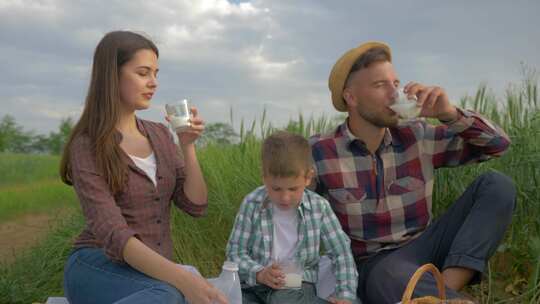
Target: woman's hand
271,276
189,136
194,287
202,292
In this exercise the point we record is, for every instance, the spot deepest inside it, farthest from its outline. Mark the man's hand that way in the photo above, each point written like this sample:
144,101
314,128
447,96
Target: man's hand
271,276
433,100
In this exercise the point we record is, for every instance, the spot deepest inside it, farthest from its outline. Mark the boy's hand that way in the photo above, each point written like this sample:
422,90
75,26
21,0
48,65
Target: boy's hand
337,301
271,276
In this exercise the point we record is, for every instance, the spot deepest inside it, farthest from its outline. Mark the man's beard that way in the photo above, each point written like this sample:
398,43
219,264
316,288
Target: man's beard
378,119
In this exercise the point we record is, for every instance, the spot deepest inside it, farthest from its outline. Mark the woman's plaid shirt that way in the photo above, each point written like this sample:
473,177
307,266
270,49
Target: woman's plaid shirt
383,200
251,240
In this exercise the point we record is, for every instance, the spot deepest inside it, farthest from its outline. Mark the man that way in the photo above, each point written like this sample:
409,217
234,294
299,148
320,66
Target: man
379,177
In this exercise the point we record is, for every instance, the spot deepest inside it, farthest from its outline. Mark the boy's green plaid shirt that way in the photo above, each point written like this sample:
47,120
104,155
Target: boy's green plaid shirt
251,240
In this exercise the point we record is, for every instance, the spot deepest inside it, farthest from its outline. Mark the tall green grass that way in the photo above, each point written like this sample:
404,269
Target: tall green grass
30,184
38,273
17,169
233,171
518,257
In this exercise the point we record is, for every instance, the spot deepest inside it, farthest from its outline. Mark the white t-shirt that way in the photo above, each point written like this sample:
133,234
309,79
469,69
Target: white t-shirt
148,165
285,233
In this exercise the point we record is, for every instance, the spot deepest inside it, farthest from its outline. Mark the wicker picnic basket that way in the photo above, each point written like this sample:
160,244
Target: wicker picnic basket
407,295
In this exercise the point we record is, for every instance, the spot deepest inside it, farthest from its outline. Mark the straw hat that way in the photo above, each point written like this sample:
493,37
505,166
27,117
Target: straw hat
341,70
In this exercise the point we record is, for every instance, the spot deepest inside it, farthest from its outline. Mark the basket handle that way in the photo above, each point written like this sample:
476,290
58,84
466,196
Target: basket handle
407,295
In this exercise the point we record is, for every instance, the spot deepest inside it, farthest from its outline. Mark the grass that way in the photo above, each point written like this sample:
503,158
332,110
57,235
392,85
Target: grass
20,169
233,171
30,184
514,271
38,273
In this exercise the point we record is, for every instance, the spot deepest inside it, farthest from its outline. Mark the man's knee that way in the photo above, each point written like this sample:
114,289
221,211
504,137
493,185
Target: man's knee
502,188
388,279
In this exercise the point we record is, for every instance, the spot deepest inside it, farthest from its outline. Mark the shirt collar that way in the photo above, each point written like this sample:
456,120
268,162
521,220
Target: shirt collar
350,138
304,202
140,127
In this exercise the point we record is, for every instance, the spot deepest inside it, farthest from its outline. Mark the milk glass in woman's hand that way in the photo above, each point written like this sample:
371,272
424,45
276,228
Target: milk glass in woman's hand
179,115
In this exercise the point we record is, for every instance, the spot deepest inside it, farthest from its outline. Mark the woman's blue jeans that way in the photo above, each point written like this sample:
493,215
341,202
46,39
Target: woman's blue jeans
91,277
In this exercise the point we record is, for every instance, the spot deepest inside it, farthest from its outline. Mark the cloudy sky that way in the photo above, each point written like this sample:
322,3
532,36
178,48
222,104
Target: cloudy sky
254,55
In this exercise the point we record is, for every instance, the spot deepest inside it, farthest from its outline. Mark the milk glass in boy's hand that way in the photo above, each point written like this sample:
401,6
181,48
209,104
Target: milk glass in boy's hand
179,115
406,108
293,270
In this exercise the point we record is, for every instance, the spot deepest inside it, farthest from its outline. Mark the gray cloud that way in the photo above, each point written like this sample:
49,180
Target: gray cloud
250,56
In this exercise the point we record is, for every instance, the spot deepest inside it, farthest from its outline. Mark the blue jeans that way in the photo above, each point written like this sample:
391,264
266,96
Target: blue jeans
261,294
465,236
91,277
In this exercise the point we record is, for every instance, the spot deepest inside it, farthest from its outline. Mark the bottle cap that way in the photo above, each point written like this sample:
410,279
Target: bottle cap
230,266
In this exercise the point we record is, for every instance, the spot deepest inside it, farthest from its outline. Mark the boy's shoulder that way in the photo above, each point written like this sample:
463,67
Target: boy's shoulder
255,198
258,194
315,200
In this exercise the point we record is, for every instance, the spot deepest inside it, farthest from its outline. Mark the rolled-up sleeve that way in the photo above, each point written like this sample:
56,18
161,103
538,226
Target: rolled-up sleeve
180,198
470,138
103,216
238,247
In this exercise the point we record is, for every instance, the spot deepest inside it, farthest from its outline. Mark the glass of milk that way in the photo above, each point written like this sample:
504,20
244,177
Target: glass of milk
405,107
179,115
294,271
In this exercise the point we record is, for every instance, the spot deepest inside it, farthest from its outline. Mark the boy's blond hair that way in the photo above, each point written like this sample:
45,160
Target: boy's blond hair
286,154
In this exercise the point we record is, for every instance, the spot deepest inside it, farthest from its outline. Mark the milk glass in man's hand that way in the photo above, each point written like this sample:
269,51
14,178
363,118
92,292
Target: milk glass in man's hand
406,108
179,115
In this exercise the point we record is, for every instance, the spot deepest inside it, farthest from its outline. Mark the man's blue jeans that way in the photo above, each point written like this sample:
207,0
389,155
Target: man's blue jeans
465,236
91,277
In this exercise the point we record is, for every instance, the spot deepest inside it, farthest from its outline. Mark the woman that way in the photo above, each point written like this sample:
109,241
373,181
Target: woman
125,172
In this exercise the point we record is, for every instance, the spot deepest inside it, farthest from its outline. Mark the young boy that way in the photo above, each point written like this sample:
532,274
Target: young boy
282,221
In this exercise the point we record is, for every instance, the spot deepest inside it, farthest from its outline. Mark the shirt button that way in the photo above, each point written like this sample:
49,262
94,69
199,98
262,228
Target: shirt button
158,221
159,243
156,199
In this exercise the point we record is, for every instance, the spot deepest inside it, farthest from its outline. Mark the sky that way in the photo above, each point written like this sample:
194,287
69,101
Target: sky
247,57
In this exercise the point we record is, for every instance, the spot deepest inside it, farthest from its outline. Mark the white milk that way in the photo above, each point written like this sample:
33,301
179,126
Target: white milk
293,280
406,108
179,123
179,115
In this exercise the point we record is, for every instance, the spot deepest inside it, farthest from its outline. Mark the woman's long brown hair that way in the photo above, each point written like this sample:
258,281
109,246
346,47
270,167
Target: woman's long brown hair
102,107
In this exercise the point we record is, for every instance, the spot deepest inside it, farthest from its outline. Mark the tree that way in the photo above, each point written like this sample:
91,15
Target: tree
218,133
56,140
13,138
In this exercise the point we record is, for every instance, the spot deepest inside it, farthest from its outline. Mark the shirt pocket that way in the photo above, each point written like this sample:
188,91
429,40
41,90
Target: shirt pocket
347,195
405,185
350,201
